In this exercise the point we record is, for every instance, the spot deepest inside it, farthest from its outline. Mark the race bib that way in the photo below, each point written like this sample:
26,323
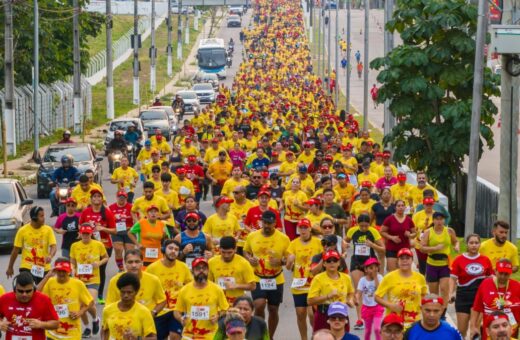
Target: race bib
96,235
38,271
152,253
362,250
298,282
62,311
184,191
511,318
222,281
120,226
268,284
189,261
85,269
199,313
21,337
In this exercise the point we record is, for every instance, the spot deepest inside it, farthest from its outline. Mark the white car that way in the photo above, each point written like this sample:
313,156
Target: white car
234,21
205,92
122,125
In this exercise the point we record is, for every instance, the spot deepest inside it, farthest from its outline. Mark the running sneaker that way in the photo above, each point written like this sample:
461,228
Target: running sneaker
86,333
100,301
95,326
359,325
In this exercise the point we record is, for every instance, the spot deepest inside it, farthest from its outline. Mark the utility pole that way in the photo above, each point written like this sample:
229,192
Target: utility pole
324,32
319,40
474,140
349,64
336,49
310,7
110,79
187,33
179,31
36,83
7,118
365,69
152,50
169,48
329,51
509,111
136,66
77,69
389,119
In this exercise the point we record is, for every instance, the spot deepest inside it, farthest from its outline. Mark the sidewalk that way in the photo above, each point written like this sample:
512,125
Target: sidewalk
25,169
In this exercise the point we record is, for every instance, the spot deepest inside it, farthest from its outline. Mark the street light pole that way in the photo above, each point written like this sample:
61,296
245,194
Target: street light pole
136,97
179,31
169,63
349,64
365,69
152,50
336,41
329,52
319,41
109,67
77,69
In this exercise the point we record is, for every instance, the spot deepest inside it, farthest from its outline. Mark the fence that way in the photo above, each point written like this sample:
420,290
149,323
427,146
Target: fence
99,61
56,106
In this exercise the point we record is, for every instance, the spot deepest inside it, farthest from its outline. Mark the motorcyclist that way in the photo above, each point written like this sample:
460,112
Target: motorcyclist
231,42
178,103
66,138
157,102
118,143
132,135
67,172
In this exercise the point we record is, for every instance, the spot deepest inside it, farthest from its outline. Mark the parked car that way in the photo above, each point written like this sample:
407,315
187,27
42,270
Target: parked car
205,92
234,21
123,124
204,77
331,4
172,117
191,101
156,119
238,10
84,156
185,9
14,210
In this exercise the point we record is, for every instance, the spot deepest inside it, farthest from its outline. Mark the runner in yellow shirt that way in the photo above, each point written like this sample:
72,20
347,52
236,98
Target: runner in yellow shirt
126,178
81,193
149,198
182,185
233,182
402,190
416,192
173,275
239,209
155,161
231,271
363,204
221,223
316,214
218,173
145,155
163,147
288,167
70,298
200,304
499,247
126,318
36,243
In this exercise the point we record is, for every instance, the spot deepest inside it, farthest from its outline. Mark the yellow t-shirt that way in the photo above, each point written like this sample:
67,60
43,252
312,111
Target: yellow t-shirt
200,305
422,221
231,184
292,212
2,290
172,279
371,177
217,227
67,297
220,171
495,253
129,176
82,198
137,319
265,247
164,148
316,219
212,154
287,167
172,198
401,192
322,285
349,163
145,156
189,151
150,294
407,291
141,204
417,194
157,184
35,245
347,192
185,187
238,270
305,159
147,170
240,212
85,255
303,253
359,207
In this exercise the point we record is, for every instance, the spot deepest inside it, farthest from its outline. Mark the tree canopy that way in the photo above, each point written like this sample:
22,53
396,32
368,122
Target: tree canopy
56,44
429,82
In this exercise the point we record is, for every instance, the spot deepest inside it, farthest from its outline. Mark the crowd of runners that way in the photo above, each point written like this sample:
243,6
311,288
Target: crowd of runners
299,194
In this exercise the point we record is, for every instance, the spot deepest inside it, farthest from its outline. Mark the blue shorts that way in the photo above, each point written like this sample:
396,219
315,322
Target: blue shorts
300,300
165,324
435,273
94,286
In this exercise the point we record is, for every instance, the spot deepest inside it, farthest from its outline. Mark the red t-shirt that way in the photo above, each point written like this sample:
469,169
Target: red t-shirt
467,269
489,298
196,170
395,228
254,215
89,215
122,214
40,307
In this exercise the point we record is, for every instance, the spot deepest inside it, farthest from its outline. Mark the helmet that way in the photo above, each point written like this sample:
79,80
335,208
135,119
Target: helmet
67,159
67,132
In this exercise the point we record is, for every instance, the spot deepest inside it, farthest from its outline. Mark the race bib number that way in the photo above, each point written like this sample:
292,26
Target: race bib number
298,282
189,261
96,235
268,284
120,226
38,271
152,253
21,337
222,281
199,313
362,250
62,311
85,269
511,318
184,191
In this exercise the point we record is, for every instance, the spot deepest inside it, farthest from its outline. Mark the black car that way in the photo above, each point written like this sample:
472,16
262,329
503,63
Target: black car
84,157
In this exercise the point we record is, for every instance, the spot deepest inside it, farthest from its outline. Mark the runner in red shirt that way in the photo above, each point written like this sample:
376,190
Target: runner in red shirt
499,293
26,313
122,211
254,214
195,174
373,93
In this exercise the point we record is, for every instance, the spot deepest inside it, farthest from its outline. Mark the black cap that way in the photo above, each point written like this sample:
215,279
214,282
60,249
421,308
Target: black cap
269,216
438,214
328,239
222,153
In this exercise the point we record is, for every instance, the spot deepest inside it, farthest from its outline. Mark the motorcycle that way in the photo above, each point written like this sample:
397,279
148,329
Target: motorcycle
63,192
229,61
130,153
230,51
114,160
179,112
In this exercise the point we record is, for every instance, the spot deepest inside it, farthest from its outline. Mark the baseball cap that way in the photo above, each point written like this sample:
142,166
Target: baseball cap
223,199
438,214
198,261
187,140
428,201
302,169
152,207
192,215
393,319
488,319
331,254
269,216
122,193
337,308
86,229
95,191
313,201
214,140
180,170
264,192
192,158
401,176
70,200
404,251
304,223
63,266
329,239
426,300
147,143
236,325
504,266
370,261
158,137
366,184
342,176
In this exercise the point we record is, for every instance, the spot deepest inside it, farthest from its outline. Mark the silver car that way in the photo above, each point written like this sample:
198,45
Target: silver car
14,210
204,77
191,101
205,92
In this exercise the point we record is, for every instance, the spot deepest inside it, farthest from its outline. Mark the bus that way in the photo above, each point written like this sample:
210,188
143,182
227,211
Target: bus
212,56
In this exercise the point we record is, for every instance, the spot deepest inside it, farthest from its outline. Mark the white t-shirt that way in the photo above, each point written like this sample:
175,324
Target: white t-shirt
368,289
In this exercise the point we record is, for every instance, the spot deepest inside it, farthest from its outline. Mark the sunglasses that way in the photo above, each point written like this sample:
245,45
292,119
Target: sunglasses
257,177
71,205
156,171
333,260
24,291
238,192
337,318
191,220
327,226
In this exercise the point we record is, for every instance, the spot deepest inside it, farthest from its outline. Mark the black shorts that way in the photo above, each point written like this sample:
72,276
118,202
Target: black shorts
121,237
300,300
390,253
356,264
216,190
436,273
273,297
165,324
465,297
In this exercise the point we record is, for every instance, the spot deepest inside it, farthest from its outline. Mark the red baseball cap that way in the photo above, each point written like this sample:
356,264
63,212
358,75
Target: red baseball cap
488,319
122,193
393,319
366,184
187,140
432,300
223,199
504,266
304,223
86,229
401,176
70,200
152,207
180,170
214,140
95,191
264,192
198,261
331,254
428,201
63,266
404,251
192,215
314,201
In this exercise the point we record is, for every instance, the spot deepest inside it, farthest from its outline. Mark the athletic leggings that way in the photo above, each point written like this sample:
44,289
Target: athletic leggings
372,317
102,275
